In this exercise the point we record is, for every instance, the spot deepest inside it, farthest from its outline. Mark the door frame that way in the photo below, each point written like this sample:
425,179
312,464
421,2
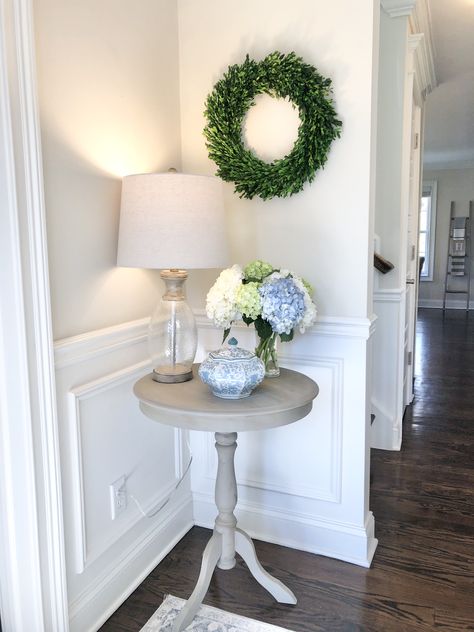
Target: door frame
33,591
413,266
412,100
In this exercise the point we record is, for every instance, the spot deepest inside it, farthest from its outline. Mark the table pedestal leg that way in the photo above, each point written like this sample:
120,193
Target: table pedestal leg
211,554
227,539
245,548
226,497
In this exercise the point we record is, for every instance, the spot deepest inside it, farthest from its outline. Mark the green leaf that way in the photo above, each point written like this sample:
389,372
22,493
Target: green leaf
287,337
226,333
263,328
279,75
247,320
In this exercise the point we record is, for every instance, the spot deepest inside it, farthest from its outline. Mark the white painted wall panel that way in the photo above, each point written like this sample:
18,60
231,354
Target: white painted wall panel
388,359
103,436
284,459
302,485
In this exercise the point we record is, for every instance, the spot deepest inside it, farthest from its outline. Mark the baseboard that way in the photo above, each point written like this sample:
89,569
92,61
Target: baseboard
112,587
437,303
341,541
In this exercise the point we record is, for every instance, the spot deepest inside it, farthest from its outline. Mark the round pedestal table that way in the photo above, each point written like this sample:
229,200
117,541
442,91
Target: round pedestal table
191,405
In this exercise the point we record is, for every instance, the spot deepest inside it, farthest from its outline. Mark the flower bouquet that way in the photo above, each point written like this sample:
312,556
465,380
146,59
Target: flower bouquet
275,300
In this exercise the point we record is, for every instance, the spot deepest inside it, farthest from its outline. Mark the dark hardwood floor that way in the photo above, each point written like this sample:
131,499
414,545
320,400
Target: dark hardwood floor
422,577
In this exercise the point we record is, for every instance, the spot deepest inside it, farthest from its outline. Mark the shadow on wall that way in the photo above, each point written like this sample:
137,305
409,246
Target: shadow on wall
88,290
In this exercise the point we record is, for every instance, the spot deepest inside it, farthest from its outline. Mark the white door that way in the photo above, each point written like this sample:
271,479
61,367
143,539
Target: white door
412,255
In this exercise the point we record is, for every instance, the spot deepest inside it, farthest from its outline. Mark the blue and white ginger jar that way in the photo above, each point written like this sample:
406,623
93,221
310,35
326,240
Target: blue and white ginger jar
232,372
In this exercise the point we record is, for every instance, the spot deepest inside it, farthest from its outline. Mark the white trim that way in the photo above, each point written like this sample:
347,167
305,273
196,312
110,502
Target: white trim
106,582
84,347
32,574
339,540
334,493
437,303
398,8
84,556
433,184
341,326
394,295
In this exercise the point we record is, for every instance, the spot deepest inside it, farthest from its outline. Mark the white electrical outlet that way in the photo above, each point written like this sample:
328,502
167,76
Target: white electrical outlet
118,497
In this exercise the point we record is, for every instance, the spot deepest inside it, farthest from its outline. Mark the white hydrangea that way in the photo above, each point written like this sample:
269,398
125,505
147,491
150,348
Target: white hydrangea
221,301
310,311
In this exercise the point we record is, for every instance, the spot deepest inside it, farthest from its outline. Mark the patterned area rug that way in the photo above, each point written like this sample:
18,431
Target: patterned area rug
208,619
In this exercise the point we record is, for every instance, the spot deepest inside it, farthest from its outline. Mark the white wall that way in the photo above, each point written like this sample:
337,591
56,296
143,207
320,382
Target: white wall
319,503
108,88
329,220
455,185
388,189
394,121
109,106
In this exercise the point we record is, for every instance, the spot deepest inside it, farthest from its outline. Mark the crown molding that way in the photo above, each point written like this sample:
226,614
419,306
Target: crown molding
420,23
398,8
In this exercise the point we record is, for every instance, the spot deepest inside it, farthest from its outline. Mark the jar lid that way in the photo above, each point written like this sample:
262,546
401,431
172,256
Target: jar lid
232,352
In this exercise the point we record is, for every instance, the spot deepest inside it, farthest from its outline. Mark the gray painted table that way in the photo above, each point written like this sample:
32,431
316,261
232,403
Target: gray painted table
276,402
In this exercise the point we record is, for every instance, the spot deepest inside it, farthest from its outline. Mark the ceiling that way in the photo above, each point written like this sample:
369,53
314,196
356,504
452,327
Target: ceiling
449,128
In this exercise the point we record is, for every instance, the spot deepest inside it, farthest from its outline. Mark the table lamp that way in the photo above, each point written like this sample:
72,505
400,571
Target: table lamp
172,222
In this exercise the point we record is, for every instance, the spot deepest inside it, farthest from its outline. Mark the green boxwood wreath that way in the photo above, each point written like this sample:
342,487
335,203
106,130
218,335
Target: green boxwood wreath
278,75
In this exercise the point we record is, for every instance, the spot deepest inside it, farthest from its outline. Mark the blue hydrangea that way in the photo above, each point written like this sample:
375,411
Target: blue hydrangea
283,304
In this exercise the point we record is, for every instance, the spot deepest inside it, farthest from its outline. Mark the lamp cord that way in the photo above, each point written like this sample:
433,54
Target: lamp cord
152,513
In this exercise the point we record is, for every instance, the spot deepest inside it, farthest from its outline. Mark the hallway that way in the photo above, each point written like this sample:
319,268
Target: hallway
422,577
423,496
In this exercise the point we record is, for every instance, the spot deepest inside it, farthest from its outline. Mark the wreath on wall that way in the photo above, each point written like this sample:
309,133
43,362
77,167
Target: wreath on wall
278,75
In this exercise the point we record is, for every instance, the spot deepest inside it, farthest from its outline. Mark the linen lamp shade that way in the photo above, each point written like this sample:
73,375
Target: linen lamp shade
172,220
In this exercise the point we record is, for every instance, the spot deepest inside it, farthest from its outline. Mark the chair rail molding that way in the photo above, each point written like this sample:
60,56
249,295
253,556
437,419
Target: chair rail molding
359,328
389,295
32,574
93,344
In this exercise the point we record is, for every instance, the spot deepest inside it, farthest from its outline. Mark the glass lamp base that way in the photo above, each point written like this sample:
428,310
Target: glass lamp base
172,375
172,334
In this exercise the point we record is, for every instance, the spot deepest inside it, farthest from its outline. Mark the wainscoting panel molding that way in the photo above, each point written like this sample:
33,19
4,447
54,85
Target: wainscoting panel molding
303,485
103,436
388,367
322,482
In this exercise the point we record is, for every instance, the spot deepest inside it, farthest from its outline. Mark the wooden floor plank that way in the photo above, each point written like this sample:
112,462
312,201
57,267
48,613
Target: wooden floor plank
422,577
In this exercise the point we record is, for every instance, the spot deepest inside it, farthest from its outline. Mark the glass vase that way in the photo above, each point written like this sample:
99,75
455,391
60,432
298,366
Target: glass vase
267,352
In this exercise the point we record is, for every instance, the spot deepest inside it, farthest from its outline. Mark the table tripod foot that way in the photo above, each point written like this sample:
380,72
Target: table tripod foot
246,549
210,557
